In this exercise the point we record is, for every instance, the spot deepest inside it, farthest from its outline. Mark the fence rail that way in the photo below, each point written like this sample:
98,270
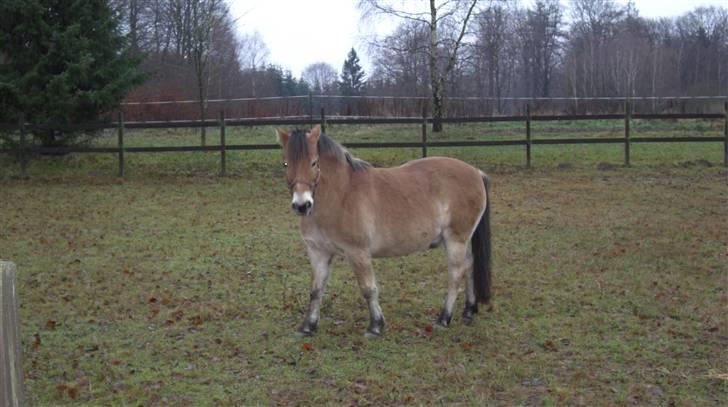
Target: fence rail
23,128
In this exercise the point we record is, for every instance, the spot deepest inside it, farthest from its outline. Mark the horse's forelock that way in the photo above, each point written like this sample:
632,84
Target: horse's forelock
297,145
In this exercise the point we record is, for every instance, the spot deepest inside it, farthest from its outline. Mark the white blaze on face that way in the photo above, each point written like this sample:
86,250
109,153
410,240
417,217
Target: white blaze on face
300,199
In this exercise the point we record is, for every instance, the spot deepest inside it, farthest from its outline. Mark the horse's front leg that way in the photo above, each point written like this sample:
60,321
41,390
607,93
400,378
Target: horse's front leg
361,264
320,263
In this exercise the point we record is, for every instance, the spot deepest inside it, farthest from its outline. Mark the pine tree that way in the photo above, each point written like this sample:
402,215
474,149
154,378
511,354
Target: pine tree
352,76
62,62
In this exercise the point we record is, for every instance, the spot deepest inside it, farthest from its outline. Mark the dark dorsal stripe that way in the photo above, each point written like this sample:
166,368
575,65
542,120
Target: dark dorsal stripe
298,149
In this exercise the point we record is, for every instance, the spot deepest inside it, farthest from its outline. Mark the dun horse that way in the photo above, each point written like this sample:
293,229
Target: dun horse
351,209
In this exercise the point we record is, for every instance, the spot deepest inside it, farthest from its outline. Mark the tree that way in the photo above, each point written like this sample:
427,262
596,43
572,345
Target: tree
453,16
401,62
539,34
206,21
495,51
352,76
254,54
64,62
321,77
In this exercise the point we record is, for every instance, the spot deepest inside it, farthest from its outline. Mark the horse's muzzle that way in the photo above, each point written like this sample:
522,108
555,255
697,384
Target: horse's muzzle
302,209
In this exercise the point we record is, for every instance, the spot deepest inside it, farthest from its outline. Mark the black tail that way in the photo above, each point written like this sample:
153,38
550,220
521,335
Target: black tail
482,253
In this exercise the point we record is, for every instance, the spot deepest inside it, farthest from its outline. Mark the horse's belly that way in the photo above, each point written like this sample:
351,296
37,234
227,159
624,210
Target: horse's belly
401,244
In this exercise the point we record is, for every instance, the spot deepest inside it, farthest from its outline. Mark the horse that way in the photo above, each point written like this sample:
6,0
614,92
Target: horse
350,208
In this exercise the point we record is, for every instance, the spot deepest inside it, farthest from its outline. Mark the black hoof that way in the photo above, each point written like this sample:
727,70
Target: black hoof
444,319
468,313
306,330
375,328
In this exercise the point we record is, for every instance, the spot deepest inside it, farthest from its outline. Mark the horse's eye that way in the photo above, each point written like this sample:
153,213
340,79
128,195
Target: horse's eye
285,164
314,163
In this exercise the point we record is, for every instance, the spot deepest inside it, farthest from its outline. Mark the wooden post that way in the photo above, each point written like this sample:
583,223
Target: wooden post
310,106
222,144
121,145
323,120
424,133
11,366
725,135
528,135
22,156
627,116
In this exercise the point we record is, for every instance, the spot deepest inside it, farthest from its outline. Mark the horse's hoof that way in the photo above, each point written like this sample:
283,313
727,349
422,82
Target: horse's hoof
304,331
372,334
444,319
467,321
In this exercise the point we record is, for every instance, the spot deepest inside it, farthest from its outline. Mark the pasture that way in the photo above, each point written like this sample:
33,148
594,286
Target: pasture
176,287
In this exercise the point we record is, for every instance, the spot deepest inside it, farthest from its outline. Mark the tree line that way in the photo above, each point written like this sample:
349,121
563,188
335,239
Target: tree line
588,48
64,61
458,48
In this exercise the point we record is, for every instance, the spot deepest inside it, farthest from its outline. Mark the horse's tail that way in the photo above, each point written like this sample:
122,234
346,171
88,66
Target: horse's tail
482,252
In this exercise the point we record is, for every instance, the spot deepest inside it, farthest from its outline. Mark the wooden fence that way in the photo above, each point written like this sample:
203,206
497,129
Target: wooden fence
528,141
11,372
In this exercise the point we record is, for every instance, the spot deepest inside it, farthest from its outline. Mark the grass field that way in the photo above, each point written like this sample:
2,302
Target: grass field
176,287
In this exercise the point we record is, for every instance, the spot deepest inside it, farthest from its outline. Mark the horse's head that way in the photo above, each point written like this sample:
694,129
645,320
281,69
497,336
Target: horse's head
301,159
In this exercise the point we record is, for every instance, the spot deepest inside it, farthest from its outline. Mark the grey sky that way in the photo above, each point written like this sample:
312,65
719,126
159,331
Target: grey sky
301,32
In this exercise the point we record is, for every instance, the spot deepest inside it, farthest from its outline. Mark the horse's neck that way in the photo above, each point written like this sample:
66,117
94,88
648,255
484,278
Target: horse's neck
335,180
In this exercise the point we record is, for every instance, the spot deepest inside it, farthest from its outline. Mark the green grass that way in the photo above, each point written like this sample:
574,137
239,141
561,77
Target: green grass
178,287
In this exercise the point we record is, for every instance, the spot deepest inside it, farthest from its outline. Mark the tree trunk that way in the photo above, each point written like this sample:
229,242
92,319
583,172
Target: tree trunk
203,132
435,82
437,107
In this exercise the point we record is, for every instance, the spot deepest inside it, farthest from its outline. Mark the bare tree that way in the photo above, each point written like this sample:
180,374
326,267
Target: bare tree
321,77
443,49
539,34
401,61
494,50
254,54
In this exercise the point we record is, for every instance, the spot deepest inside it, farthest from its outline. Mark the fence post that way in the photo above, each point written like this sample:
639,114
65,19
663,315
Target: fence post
222,144
21,156
323,120
424,133
310,106
725,135
121,145
528,135
627,117
11,366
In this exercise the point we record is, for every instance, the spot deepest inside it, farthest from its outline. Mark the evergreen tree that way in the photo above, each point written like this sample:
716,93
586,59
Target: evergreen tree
352,76
62,62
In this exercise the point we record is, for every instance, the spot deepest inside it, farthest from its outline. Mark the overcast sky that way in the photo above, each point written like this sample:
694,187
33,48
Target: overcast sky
301,32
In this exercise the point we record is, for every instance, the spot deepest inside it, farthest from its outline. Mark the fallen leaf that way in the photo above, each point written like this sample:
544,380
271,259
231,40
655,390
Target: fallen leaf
307,346
36,342
549,346
50,325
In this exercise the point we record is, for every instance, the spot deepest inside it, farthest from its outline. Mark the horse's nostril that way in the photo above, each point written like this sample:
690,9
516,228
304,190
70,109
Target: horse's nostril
307,205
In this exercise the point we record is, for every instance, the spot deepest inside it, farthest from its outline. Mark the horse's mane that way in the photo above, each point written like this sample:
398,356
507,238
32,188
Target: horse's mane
298,148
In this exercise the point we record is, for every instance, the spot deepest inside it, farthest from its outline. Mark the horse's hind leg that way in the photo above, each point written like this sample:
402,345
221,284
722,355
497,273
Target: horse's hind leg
320,262
471,305
456,267
361,264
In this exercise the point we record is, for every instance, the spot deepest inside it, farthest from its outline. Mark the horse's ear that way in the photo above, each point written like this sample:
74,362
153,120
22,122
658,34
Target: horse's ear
281,137
314,134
